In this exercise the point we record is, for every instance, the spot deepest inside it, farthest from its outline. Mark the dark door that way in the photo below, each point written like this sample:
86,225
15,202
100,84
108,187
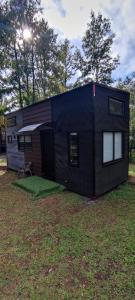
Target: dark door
47,145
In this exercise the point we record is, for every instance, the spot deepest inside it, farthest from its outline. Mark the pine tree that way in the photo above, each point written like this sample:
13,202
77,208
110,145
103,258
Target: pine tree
46,49
64,68
96,62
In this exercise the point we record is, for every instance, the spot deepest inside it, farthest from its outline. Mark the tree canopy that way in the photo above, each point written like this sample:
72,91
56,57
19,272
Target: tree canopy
35,63
129,84
95,61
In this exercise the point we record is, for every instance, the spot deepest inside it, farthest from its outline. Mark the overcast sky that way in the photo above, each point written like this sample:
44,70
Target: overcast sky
69,19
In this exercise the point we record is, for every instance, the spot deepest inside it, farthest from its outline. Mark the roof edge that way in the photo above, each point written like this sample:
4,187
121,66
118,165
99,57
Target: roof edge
81,86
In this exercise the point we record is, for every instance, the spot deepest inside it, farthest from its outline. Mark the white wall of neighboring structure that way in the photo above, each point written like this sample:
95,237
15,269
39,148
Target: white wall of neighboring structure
15,158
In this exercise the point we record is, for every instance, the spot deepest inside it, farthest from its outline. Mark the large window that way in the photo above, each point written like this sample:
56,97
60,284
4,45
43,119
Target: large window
24,142
73,141
11,122
107,147
118,145
116,107
112,146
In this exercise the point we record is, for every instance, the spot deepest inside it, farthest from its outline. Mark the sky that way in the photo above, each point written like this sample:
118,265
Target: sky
69,18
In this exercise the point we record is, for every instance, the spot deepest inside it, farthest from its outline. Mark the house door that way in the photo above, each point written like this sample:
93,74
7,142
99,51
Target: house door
47,145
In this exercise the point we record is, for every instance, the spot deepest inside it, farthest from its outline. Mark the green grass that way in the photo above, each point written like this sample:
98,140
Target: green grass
38,186
132,159
61,247
3,161
132,169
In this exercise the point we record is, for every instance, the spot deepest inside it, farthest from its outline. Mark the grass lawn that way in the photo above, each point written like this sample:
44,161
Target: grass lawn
61,247
132,169
3,161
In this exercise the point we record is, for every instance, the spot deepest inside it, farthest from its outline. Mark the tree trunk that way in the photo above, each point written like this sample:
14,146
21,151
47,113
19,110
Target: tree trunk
33,74
18,77
97,74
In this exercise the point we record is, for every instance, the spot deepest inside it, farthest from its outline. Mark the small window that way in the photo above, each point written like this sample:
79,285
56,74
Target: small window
112,146
24,142
11,122
9,139
116,107
27,139
73,149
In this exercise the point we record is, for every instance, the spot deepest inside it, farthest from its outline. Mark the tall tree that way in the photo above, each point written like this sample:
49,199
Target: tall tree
96,61
20,16
129,84
31,49
46,50
64,67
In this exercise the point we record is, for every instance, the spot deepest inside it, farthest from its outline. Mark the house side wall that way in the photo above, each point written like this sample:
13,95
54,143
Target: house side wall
108,177
39,113
73,112
15,158
2,140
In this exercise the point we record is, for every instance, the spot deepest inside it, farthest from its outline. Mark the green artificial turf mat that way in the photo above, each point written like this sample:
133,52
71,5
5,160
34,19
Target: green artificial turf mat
38,186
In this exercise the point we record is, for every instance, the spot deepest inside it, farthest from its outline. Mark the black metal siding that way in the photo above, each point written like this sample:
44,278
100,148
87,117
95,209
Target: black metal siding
73,112
107,177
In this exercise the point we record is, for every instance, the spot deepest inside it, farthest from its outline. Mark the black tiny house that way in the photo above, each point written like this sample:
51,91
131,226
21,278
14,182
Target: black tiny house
78,138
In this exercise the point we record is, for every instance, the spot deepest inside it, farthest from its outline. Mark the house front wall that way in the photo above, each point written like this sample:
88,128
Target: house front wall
109,176
34,114
73,112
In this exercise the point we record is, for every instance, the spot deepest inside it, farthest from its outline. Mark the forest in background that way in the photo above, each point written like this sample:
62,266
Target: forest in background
35,63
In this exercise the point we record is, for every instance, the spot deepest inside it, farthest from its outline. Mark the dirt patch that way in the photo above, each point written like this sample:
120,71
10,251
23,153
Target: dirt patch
3,168
50,201
111,268
131,179
102,276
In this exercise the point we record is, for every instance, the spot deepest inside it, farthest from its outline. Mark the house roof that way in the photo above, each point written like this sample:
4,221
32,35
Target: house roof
69,91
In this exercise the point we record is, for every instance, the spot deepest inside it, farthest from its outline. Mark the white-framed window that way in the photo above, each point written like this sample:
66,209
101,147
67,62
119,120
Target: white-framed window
112,146
107,147
118,145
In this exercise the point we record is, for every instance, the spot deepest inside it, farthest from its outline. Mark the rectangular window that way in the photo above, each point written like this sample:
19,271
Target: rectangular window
107,147
11,122
112,146
118,145
24,142
116,107
73,149
9,139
